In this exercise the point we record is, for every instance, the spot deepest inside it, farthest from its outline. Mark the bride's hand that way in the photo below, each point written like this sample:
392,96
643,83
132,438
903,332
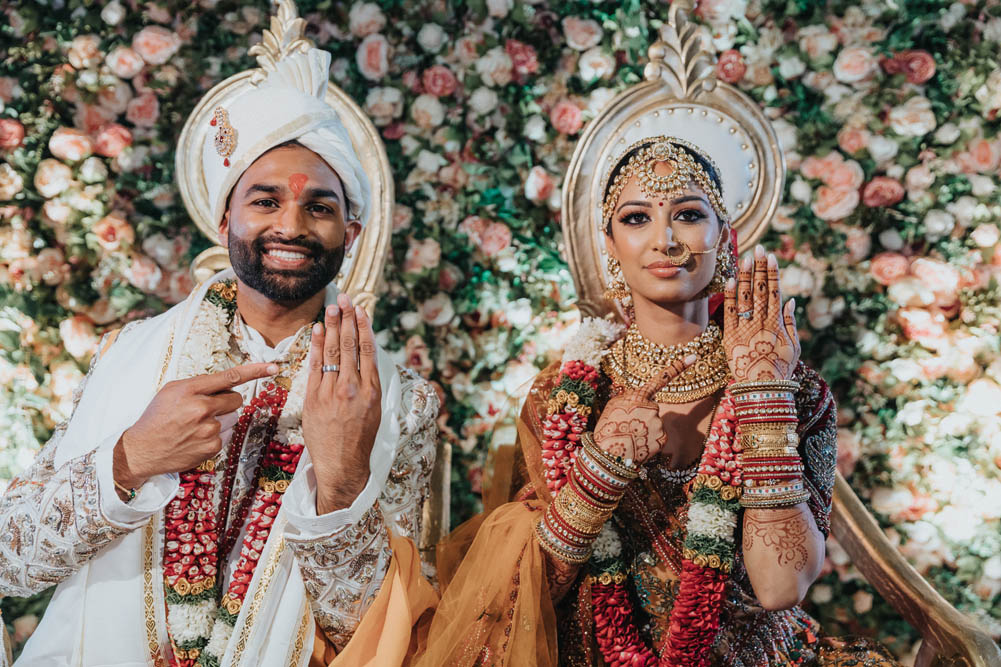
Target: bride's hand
630,426
759,335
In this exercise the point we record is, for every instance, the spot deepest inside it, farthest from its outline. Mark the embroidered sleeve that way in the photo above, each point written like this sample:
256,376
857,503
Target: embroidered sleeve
344,571
818,443
51,521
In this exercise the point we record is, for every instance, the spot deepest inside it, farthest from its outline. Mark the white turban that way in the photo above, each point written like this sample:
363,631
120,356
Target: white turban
288,105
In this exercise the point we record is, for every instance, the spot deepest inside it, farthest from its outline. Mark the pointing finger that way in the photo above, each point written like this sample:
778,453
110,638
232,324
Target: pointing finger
232,377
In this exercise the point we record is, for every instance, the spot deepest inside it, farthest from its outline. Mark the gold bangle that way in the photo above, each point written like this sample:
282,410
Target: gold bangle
579,515
769,427
614,465
768,385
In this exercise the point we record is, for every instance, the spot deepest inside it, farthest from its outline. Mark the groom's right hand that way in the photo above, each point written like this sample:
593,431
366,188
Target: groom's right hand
179,430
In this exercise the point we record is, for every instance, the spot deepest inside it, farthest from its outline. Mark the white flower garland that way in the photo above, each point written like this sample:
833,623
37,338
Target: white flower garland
591,341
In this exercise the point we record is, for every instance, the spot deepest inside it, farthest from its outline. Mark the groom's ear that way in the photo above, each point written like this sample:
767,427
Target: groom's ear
351,233
224,230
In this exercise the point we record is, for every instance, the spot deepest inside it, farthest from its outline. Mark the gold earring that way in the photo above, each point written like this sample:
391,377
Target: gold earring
616,288
726,268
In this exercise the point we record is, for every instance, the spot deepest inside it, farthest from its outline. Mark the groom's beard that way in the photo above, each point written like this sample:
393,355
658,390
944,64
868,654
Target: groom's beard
285,286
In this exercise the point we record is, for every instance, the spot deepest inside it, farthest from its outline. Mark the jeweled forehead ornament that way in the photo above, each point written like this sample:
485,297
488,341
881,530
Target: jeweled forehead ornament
682,169
225,134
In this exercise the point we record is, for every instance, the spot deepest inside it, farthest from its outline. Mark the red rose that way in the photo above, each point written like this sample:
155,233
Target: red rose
523,59
882,191
731,67
917,65
439,81
11,133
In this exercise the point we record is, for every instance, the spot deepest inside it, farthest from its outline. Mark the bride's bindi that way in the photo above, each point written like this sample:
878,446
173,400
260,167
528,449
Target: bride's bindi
296,183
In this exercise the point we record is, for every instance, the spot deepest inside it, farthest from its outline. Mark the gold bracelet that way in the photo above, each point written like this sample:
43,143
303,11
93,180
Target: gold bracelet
615,465
768,385
769,427
575,512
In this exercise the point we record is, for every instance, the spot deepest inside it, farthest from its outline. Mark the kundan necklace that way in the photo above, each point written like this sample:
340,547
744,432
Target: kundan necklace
634,359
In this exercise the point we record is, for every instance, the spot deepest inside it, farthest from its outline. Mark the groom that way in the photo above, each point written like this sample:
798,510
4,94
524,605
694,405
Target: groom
241,474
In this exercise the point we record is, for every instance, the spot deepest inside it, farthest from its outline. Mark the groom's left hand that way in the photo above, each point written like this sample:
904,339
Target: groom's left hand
342,409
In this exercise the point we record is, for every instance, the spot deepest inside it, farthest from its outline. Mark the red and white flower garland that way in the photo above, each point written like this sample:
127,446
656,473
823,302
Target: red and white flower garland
709,548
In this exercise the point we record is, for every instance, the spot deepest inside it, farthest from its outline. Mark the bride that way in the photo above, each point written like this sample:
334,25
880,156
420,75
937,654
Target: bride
672,491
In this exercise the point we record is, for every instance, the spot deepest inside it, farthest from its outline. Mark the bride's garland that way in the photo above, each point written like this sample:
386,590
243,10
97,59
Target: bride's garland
195,547
709,547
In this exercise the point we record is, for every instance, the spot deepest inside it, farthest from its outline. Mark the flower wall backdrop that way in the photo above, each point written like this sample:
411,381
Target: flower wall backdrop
887,113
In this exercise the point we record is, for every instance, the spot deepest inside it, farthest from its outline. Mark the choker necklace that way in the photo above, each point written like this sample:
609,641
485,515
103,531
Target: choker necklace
634,359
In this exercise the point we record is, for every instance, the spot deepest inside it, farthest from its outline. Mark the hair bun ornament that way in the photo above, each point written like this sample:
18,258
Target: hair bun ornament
680,97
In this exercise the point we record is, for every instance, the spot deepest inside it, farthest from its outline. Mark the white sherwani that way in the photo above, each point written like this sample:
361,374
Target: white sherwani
62,522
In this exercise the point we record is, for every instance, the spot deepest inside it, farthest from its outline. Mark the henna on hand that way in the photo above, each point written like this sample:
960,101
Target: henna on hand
560,576
785,533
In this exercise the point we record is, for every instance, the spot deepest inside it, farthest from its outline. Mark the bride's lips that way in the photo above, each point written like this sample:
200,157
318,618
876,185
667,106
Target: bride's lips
286,257
663,269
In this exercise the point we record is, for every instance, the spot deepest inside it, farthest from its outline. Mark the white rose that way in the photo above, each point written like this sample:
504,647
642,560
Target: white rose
989,94
891,239
855,64
431,37
821,594
787,134
538,185
891,501
52,177
93,170
113,13
951,18
78,336
801,191
130,159
791,66
499,8
599,99
822,311
410,320
365,18
57,211
582,34
483,101
384,104
986,235
992,566
10,181
115,97
427,111
535,128
913,118
882,148
983,186
410,144
947,134
495,67
938,224
437,311
430,162
861,602
964,210
124,62
992,33
595,64
910,292
797,281
904,370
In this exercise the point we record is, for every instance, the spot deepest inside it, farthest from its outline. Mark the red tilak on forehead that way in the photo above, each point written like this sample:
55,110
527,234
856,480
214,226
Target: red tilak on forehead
296,182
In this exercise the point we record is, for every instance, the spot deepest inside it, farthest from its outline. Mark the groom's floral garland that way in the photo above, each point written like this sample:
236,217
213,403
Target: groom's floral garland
709,547
195,547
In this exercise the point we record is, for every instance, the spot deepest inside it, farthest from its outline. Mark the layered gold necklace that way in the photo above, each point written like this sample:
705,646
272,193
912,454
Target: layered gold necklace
634,360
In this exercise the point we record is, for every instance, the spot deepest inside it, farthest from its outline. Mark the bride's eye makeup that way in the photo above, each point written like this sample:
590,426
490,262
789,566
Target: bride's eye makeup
634,218
690,214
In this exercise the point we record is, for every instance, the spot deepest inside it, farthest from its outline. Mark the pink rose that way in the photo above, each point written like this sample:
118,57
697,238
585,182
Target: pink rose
817,41
176,287
143,110
11,134
818,168
834,204
852,139
85,51
939,277
70,144
889,267
124,62
143,273
155,44
90,117
52,266
8,88
112,139
731,67
52,177
858,242
365,18
846,175
566,117
918,178
449,277
882,191
439,81
539,185
922,326
473,227
582,34
913,118
373,57
855,64
438,310
402,215
981,156
422,254
112,231
77,334
849,448
917,65
417,356
114,98
453,175
523,58
467,49
495,238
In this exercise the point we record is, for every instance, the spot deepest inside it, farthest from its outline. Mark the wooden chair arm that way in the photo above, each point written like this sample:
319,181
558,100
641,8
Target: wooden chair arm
950,638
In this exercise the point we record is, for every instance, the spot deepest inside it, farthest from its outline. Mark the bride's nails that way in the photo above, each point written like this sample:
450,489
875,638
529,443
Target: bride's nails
747,264
773,263
759,252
